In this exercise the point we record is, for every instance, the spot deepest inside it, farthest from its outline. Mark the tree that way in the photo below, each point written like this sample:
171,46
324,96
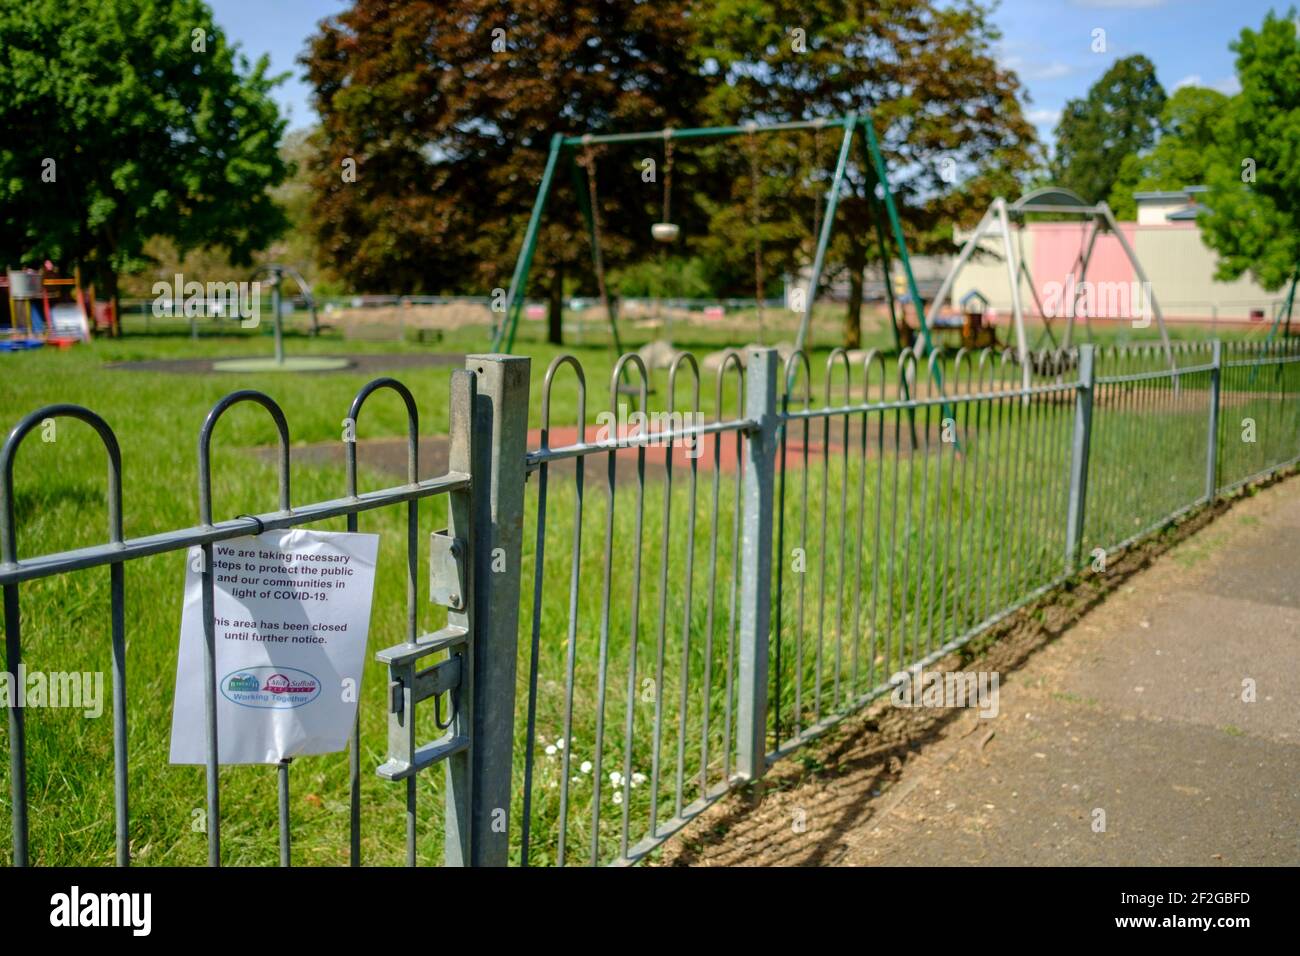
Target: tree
125,120
1253,217
443,111
1181,156
295,248
944,111
1119,117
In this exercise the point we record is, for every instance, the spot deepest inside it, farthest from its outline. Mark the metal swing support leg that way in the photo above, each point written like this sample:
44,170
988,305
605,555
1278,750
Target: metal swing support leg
963,257
1083,261
1148,291
896,226
873,205
504,339
1013,278
876,161
823,240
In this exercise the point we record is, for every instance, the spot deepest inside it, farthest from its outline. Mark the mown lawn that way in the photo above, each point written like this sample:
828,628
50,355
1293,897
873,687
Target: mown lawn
964,528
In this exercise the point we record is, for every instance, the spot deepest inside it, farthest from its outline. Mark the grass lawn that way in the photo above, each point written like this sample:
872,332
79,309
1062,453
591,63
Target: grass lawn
961,536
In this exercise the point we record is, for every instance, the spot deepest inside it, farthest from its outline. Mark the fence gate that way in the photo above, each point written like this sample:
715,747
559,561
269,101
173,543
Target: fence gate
484,487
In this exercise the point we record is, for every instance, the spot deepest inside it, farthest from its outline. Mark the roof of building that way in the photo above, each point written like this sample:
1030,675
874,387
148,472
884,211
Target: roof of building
1172,195
1186,193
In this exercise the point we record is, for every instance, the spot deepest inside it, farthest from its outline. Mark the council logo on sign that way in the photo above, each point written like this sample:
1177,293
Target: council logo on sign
272,688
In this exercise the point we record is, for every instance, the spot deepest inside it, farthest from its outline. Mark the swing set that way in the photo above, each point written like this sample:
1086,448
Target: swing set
1004,225
579,151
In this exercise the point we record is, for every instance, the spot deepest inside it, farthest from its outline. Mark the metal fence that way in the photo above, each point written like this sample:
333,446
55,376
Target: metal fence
720,609
706,595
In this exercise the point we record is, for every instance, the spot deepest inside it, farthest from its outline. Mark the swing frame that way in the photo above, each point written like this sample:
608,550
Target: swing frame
879,194
998,224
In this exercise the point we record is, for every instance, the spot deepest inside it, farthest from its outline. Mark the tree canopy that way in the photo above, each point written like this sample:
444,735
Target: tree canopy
1253,219
130,119
1119,117
1183,154
447,109
945,113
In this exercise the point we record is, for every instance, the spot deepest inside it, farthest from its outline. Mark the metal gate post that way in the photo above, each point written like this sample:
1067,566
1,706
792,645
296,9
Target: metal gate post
500,424
1079,458
1212,442
756,563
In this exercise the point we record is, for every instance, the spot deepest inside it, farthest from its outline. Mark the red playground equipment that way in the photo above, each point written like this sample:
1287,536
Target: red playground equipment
47,309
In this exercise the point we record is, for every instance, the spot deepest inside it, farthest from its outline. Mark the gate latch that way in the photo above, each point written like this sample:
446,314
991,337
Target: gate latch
407,686
447,570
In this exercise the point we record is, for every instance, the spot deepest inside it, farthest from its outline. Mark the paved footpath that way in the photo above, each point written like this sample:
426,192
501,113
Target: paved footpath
1135,709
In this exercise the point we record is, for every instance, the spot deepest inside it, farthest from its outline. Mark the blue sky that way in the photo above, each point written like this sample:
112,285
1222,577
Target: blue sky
1048,42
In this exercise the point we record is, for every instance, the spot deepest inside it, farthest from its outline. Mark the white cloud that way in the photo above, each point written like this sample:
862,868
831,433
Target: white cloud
1230,86
1192,80
1051,71
1043,117
1032,69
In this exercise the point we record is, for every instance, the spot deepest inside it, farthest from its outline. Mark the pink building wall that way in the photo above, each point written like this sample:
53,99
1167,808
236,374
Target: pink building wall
1058,245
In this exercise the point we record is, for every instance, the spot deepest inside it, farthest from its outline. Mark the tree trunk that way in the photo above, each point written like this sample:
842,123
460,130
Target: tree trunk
555,308
857,261
853,316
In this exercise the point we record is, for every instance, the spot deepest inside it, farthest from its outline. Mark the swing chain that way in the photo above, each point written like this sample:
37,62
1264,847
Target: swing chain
668,172
589,161
816,167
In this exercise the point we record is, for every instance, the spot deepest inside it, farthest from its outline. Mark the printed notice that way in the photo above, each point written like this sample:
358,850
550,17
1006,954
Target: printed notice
292,610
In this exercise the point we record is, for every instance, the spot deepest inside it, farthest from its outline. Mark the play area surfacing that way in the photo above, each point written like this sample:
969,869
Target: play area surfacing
290,363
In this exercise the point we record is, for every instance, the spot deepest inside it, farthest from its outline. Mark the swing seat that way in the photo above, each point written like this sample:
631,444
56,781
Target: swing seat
665,231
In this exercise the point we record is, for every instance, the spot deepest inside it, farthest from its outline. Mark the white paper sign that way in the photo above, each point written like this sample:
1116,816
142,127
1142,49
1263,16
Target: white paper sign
292,610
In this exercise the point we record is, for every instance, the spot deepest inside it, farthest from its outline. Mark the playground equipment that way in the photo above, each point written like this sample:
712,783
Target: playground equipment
280,362
997,224
37,317
667,231
970,323
1282,317
881,204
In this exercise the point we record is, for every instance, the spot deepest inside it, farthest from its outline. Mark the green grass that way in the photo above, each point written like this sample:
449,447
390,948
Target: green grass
1003,498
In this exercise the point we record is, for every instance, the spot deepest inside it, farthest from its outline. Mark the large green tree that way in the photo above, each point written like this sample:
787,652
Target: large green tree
129,119
1183,154
949,120
1119,117
1253,221
446,108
